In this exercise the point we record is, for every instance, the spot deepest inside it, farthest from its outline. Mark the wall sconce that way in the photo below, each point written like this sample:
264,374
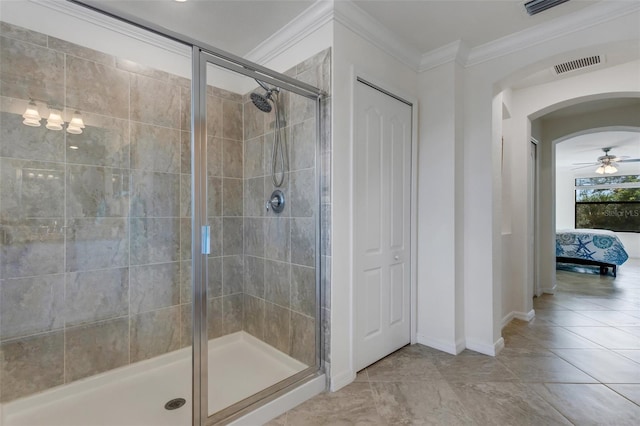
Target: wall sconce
55,121
76,124
31,115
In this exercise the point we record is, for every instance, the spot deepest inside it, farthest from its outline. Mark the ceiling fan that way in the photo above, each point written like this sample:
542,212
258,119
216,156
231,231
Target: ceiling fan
607,163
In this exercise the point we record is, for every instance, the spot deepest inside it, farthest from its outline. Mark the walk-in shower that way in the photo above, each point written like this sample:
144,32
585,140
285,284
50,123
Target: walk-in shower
139,267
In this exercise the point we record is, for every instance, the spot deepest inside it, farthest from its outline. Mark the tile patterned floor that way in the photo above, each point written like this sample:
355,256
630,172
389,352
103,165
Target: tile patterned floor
577,362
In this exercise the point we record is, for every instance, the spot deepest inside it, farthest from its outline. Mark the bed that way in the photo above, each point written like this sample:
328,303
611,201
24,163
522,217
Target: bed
597,247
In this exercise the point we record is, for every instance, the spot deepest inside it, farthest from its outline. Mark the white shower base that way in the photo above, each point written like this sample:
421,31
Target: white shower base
239,366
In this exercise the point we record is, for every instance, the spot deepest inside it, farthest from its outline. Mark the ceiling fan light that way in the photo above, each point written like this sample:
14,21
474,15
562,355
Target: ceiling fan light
31,116
610,169
600,170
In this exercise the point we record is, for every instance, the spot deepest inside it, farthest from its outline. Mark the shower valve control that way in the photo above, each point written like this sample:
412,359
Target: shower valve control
276,201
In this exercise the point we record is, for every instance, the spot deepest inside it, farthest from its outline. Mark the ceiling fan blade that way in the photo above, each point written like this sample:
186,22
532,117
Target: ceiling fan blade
630,160
591,164
584,167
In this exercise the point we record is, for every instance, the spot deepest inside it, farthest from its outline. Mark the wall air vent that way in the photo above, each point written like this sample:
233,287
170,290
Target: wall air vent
537,6
577,64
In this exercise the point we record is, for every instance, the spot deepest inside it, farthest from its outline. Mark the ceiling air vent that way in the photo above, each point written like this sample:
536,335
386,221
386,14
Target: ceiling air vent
576,64
537,6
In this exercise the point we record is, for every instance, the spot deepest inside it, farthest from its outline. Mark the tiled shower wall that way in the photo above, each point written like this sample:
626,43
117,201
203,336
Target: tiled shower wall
96,241
95,268
280,250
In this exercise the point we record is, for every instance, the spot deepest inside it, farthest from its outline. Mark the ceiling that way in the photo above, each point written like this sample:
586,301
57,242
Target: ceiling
238,26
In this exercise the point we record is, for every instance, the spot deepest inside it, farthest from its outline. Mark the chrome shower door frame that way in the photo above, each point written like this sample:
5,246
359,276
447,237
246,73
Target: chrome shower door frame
201,57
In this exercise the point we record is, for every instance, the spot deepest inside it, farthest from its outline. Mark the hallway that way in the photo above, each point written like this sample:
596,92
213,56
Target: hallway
577,362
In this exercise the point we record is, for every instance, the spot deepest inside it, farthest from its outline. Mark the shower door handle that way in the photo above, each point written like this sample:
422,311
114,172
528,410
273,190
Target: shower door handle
205,233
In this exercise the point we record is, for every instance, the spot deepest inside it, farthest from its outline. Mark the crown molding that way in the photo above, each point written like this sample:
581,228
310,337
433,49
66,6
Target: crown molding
112,24
585,18
456,51
314,17
367,27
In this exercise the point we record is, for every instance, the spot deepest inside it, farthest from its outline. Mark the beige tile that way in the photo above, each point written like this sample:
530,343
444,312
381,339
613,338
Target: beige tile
629,391
614,318
94,348
232,313
254,322
31,365
633,355
155,286
31,305
214,116
37,248
232,197
254,276
232,236
31,71
185,238
277,327
155,194
93,191
96,243
19,33
25,142
303,338
589,404
186,313
404,365
215,323
277,282
232,274
97,88
254,236
232,158
31,189
155,240
254,161
303,241
80,51
155,102
608,337
303,193
604,365
155,148
214,285
96,295
103,142
471,368
558,337
419,403
155,333
352,405
278,238
303,290
500,403
232,120
544,368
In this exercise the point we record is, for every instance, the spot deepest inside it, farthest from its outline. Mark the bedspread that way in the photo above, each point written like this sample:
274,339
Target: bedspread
591,244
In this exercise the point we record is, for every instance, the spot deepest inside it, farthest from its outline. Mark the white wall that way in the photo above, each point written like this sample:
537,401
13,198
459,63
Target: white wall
350,52
530,103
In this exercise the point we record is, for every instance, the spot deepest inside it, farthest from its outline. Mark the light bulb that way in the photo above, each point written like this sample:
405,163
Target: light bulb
610,169
31,115
600,170
55,121
76,124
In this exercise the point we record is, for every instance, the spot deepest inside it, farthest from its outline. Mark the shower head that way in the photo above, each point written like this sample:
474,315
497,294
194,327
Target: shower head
263,85
261,102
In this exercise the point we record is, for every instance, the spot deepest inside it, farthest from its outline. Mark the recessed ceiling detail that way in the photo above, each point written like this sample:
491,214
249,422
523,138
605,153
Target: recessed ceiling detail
577,64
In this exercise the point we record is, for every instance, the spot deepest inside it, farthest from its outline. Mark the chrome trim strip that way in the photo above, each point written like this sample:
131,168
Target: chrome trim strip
199,218
204,47
261,398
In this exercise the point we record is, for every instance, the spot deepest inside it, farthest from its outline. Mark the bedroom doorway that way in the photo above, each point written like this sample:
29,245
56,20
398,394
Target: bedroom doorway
382,223
533,218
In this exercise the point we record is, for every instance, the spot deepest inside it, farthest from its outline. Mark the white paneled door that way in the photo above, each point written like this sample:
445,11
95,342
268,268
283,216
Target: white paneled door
382,208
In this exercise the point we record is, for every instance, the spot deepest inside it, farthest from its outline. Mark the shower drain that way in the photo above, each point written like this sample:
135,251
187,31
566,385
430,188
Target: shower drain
175,403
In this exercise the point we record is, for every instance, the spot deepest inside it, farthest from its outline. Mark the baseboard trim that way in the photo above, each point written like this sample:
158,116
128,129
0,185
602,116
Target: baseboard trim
453,348
551,290
341,380
486,349
524,316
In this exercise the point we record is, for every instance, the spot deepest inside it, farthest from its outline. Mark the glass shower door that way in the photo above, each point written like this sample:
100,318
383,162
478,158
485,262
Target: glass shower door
260,203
